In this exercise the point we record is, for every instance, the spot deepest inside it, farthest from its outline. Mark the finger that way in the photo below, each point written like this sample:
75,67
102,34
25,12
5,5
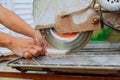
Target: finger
27,55
45,52
39,39
38,48
34,52
18,52
41,50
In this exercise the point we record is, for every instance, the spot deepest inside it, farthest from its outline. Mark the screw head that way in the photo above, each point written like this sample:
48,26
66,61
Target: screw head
95,21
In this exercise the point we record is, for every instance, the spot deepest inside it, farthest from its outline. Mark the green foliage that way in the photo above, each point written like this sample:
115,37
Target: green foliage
101,35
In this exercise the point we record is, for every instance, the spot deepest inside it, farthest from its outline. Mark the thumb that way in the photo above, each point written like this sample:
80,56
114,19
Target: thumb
18,52
22,53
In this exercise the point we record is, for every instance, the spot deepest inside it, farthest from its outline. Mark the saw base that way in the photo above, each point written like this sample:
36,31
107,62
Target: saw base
99,61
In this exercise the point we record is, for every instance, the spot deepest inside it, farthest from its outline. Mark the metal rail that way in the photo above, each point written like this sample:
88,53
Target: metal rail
104,59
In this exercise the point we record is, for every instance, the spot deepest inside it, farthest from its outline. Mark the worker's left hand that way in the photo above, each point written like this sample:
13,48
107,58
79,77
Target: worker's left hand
25,47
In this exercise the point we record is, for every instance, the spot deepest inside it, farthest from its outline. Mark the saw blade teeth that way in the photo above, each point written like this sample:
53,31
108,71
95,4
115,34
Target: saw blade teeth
111,5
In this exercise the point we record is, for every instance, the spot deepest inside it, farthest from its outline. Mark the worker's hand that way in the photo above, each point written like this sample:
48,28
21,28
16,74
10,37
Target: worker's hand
39,40
26,47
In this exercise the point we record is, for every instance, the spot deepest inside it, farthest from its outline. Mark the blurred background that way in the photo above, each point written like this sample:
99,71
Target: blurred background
106,34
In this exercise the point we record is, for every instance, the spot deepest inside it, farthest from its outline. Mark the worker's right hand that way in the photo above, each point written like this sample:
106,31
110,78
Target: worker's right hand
26,47
39,40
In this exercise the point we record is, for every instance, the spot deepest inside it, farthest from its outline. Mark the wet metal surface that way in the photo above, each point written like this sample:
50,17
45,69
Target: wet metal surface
72,60
85,59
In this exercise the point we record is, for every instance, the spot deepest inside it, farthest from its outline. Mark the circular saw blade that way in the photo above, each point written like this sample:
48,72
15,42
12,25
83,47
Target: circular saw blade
74,41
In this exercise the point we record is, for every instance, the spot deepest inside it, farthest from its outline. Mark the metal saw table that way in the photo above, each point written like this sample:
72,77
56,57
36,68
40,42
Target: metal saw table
88,64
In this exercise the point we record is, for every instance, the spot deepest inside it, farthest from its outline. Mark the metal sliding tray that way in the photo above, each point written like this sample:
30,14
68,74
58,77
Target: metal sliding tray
96,60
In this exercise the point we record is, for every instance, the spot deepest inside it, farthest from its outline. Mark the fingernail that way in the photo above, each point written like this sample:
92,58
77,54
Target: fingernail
27,55
46,54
